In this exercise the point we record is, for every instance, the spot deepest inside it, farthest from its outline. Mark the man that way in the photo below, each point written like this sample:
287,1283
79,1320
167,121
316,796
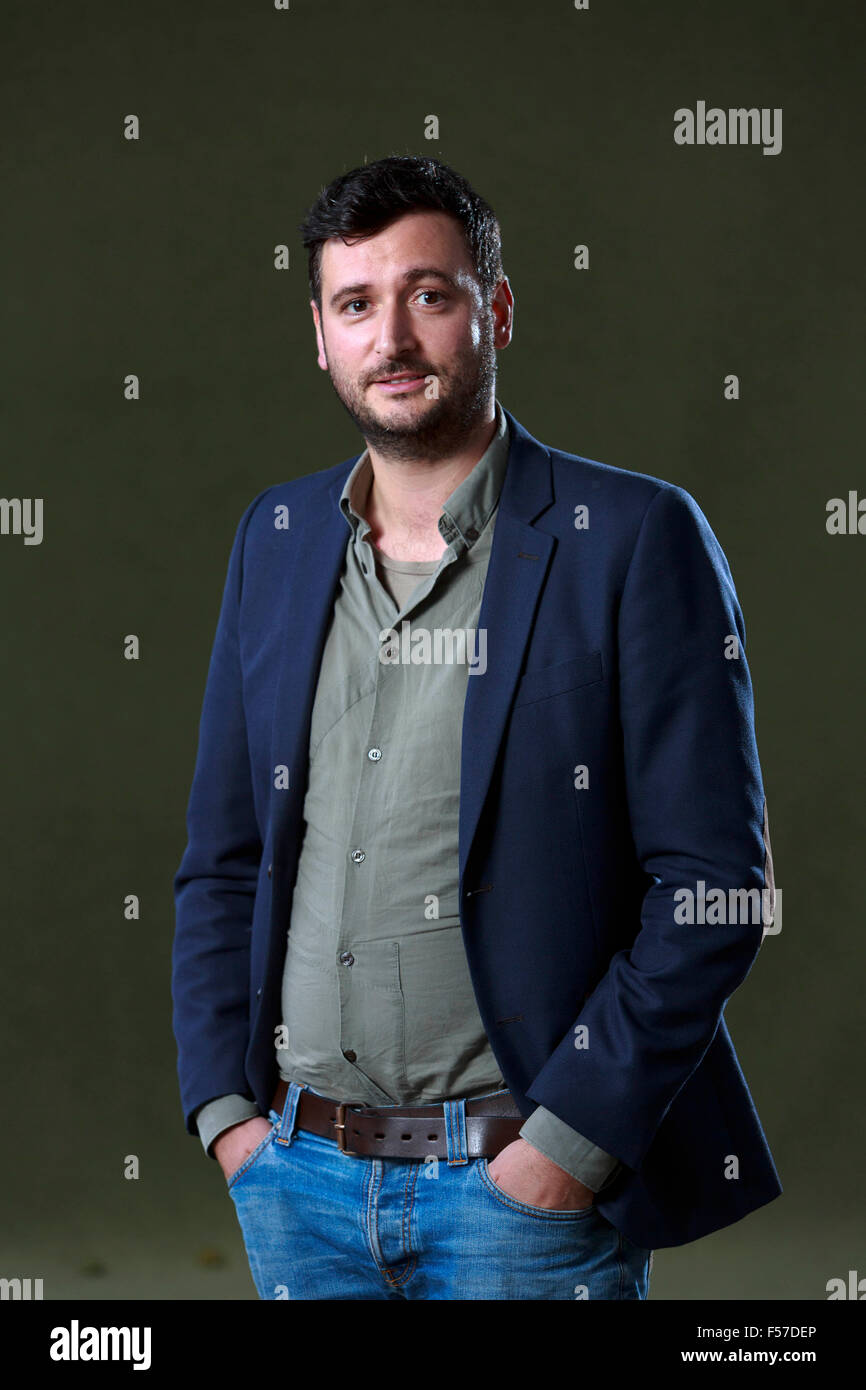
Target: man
478,721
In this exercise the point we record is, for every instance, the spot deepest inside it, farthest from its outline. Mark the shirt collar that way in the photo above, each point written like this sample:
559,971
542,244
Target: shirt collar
465,512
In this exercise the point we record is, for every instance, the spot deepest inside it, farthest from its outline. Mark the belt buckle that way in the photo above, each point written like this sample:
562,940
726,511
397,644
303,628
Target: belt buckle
340,1127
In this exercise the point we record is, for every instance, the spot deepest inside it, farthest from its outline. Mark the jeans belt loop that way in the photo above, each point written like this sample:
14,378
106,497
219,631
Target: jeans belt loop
455,1131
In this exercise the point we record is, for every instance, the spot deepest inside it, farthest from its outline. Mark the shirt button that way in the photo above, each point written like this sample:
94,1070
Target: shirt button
471,534
350,1056
358,856
374,754
346,958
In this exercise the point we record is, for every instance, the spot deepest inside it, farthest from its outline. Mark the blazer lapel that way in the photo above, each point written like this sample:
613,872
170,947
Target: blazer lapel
316,549
519,559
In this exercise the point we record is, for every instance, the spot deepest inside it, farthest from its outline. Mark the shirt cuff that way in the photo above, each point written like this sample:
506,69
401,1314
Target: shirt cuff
217,1115
564,1146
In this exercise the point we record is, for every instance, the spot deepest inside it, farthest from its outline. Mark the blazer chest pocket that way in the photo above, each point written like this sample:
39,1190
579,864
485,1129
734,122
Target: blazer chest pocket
557,679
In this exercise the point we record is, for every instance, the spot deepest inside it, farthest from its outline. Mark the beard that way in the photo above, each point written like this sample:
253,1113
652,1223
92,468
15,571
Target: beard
419,428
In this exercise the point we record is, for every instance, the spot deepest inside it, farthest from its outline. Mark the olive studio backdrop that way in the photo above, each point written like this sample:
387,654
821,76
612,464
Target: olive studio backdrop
155,257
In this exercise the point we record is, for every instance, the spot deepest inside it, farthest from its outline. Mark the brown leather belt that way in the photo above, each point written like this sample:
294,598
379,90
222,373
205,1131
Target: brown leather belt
412,1131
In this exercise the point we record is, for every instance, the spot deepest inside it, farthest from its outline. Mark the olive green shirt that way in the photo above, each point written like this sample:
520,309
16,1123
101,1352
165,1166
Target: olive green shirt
378,1005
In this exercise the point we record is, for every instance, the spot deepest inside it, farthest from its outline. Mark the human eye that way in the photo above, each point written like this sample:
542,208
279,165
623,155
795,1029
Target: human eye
350,302
422,293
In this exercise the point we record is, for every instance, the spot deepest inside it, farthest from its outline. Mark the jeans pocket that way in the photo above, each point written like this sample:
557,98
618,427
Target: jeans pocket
505,1199
252,1157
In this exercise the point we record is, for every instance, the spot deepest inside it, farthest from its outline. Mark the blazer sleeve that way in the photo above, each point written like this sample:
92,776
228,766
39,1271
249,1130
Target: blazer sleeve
698,815
215,884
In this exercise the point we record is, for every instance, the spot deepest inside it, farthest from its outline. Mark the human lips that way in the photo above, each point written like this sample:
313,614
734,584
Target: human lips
400,382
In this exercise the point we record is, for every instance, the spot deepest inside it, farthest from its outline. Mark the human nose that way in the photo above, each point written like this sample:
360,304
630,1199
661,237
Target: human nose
394,334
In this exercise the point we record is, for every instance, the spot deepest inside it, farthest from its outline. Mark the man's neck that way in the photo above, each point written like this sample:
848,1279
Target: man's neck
404,503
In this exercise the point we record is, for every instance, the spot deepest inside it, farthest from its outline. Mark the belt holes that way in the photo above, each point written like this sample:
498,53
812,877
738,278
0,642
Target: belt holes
402,1136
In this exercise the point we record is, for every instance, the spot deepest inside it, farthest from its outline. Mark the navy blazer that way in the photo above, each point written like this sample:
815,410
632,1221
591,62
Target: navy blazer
606,651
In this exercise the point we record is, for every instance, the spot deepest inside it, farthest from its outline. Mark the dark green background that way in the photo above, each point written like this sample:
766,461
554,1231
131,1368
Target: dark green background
156,258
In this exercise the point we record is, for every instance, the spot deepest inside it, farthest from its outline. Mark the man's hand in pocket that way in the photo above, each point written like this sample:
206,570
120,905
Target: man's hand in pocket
529,1175
235,1144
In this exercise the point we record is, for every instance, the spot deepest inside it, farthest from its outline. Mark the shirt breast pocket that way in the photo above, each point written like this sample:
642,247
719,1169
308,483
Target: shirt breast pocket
559,678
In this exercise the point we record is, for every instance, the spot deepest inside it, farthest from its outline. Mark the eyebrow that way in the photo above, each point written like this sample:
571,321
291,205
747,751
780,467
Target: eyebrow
417,272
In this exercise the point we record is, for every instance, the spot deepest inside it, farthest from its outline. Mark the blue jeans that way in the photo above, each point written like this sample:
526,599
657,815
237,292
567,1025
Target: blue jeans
321,1224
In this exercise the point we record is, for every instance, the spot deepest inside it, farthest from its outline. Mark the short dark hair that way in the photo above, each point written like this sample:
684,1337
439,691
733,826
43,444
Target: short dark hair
365,200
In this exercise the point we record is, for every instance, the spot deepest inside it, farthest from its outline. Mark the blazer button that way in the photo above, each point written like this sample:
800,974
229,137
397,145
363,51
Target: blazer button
270,870
259,992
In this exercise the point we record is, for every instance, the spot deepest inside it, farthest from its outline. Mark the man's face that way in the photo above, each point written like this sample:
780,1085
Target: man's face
406,301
